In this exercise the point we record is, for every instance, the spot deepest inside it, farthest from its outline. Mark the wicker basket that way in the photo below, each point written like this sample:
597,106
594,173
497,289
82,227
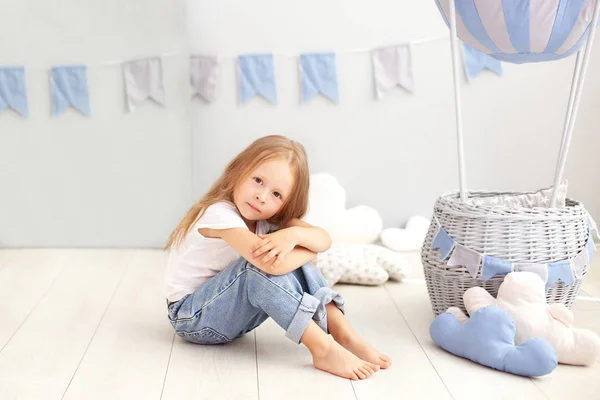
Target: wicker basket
535,235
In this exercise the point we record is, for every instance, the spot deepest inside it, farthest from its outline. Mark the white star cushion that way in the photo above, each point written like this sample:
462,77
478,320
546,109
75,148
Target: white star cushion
361,264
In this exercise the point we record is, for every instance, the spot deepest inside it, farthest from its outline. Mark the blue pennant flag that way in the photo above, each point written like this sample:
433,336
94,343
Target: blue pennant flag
13,92
257,76
444,242
70,88
495,266
319,74
475,61
560,270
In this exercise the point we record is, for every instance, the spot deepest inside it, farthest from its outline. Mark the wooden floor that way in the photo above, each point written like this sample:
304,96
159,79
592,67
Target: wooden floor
91,324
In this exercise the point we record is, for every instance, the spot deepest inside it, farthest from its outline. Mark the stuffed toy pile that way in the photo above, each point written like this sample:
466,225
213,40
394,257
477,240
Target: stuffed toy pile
353,256
410,238
327,209
518,320
523,294
488,338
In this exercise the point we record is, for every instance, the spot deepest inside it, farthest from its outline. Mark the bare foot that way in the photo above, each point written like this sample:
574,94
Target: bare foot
359,346
339,361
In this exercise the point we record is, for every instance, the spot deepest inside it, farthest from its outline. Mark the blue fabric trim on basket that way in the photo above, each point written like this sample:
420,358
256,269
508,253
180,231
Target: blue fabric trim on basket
491,266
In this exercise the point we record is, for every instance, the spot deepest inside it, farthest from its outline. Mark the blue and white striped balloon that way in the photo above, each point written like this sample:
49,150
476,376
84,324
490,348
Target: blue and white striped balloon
522,31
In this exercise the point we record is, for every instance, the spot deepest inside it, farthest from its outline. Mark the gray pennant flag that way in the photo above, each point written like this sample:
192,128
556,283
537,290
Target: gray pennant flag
463,256
203,76
143,80
540,269
392,66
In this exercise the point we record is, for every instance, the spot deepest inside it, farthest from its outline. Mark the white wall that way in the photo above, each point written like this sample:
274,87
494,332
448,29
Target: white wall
397,154
114,179
120,179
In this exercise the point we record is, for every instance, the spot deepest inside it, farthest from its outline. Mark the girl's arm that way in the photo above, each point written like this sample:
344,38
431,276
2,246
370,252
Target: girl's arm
308,236
243,241
294,235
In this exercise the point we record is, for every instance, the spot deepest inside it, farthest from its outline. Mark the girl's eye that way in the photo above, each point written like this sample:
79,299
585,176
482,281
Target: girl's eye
277,194
258,180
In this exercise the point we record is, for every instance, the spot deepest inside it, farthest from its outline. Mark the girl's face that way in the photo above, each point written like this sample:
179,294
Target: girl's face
263,193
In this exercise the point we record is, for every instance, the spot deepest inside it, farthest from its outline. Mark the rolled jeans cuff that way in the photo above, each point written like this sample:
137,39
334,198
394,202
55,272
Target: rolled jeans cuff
313,307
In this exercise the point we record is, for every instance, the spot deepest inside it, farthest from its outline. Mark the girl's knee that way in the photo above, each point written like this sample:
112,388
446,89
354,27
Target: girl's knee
278,278
262,284
313,275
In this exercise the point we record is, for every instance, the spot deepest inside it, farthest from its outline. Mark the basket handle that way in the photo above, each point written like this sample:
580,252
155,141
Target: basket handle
578,80
579,74
462,176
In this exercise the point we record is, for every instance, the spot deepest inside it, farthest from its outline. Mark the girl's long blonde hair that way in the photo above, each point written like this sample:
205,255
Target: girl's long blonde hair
261,150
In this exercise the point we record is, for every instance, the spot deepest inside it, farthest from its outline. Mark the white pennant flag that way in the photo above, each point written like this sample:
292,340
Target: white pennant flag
203,76
540,269
143,80
392,66
579,262
463,256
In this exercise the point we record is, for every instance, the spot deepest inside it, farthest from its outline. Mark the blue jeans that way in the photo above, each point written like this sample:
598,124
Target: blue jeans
241,297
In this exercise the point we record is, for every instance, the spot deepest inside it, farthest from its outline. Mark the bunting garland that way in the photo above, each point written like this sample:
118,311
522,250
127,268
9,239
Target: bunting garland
565,270
392,67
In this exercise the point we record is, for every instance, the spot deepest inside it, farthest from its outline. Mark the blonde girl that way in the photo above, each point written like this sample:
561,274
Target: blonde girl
242,255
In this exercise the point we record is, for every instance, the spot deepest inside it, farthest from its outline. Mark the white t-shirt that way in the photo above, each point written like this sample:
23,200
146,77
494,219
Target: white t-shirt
199,258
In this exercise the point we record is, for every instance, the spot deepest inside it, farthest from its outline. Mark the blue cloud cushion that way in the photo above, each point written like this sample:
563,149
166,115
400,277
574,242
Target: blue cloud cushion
488,338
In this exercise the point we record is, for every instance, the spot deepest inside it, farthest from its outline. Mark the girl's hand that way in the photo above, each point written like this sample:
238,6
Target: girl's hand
274,245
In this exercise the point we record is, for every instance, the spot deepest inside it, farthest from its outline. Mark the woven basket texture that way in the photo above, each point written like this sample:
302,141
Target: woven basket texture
526,235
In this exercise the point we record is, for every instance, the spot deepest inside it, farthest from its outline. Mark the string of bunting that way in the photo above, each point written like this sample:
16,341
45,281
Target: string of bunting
473,261
144,79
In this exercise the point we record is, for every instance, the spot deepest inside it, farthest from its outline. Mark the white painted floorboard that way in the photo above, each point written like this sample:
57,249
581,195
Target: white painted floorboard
92,324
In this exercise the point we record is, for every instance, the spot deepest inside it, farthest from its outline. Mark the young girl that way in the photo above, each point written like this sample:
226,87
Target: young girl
242,255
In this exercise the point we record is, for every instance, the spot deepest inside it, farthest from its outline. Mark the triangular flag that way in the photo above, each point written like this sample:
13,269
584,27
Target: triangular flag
319,75
13,91
465,257
392,66
70,88
590,247
539,269
203,76
494,266
583,258
444,242
144,80
475,61
257,76
560,270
